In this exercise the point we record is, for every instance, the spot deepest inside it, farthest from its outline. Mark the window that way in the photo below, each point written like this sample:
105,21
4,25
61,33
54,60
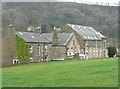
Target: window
42,48
96,55
93,50
15,61
82,56
104,44
31,59
38,50
90,55
90,49
82,51
75,49
46,48
73,42
86,44
99,54
96,50
31,49
86,51
70,52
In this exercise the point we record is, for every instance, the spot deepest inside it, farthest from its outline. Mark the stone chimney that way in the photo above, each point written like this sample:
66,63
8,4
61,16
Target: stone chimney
55,37
37,29
9,46
11,25
12,29
30,29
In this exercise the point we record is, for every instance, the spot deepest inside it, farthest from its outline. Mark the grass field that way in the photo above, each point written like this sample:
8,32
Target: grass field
72,73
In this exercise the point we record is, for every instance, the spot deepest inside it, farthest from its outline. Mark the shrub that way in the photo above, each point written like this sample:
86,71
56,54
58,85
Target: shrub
22,50
111,51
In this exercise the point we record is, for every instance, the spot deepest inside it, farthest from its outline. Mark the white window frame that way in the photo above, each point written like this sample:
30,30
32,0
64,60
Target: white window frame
86,51
46,48
94,50
70,52
31,59
15,61
97,50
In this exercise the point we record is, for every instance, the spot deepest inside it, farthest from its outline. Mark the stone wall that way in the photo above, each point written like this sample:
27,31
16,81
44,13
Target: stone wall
39,52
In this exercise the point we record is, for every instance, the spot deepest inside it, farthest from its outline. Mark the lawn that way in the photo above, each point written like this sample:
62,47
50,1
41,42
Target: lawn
68,73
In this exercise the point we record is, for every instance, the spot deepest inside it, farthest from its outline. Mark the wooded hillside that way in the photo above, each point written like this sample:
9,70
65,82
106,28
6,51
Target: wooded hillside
50,14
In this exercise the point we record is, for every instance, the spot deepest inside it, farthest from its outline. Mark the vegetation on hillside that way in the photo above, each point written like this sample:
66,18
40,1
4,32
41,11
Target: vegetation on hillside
22,50
50,14
72,73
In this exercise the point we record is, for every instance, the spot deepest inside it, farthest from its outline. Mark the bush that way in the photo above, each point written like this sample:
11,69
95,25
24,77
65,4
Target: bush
111,51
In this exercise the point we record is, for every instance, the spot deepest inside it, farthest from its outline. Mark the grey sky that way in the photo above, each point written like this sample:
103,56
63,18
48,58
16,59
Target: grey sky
29,0
101,2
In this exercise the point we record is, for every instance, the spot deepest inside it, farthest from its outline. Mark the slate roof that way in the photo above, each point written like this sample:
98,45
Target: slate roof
63,37
88,33
45,37
32,37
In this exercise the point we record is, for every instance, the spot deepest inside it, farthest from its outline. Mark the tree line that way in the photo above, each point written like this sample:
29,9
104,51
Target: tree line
50,14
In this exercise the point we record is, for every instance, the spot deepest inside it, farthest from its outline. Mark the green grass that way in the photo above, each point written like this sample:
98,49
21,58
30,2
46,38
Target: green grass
0,78
72,73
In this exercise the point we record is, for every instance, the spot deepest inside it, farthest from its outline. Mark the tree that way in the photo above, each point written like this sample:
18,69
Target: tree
44,28
68,18
51,26
25,14
111,51
22,50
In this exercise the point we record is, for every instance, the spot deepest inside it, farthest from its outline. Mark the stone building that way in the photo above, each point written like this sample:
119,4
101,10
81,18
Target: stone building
92,43
73,41
50,46
64,46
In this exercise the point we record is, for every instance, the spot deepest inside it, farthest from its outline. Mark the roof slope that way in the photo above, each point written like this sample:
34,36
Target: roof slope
45,37
32,37
63,38
88,33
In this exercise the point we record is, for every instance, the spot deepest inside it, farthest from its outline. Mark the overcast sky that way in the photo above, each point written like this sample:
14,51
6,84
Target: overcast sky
111,2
